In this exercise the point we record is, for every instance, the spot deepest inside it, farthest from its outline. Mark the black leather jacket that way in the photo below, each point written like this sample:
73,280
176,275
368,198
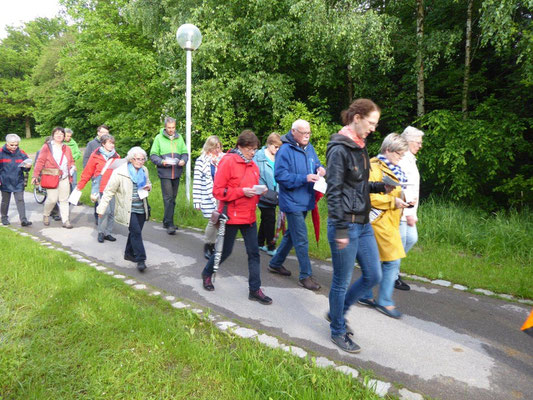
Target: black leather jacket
348,192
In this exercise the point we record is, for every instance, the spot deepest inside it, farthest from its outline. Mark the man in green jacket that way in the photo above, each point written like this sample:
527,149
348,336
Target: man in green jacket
76,153
169,154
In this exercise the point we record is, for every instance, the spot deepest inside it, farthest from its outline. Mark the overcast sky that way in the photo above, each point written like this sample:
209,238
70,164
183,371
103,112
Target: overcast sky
16,12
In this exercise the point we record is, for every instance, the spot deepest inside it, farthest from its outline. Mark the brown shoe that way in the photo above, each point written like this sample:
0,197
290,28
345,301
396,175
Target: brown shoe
308,283
281,270
67,225
46,220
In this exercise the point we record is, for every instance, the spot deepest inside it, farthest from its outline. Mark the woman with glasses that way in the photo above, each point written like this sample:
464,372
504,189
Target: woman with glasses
235,179
55,158
129,185
385,218
13,164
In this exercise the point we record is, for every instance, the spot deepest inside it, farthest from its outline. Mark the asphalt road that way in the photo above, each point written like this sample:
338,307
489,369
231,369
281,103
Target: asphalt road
449,344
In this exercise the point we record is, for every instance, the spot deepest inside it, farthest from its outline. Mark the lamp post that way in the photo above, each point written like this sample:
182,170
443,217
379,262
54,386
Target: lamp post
189,38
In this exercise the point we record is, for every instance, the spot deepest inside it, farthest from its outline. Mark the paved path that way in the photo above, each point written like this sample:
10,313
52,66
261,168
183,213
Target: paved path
449,344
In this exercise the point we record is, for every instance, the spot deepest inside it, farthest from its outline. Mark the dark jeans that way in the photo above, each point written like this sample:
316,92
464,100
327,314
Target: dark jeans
169,190
19,201
135,246
267,228
249,234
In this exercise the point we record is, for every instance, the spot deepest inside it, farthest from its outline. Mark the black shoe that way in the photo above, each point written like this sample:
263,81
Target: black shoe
207,283
127,257
171,230
349,331
401,285
5,221
101,238
141,266
110,238
281,270
25,222
209,249
367,302
346,344
393,312
259,296
56,217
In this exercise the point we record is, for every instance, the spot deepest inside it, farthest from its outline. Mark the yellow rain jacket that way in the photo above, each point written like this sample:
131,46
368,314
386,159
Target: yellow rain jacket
387,224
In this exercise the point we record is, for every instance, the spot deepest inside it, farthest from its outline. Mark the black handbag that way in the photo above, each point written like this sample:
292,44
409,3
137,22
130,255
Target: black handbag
270,198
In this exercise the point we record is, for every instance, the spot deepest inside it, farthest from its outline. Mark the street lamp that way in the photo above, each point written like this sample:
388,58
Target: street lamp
189,38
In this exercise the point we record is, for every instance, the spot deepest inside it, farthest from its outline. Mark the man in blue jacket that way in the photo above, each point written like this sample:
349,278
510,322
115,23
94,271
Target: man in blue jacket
296,170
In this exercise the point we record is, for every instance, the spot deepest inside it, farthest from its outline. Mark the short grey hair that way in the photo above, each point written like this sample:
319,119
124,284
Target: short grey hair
169,120
411,133
12,137
393,142
135,151
68,130
298,123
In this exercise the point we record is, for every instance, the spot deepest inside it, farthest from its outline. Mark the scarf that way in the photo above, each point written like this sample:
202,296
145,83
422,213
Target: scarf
348,132
242,155
137,176
107,154
396,170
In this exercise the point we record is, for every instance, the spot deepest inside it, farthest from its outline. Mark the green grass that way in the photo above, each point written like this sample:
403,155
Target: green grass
68,331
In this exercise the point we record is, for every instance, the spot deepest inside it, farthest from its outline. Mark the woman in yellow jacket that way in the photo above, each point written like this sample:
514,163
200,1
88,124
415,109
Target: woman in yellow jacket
385,218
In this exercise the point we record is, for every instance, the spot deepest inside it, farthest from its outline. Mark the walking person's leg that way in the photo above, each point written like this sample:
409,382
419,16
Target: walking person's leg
21,208
6,198
63,190
300,242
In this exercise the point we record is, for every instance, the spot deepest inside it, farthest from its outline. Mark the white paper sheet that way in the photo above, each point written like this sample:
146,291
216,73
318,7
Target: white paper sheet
74,197
321,185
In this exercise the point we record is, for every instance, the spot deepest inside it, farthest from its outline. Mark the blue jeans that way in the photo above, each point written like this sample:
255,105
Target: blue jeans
249,234
135,245
409,236
386,287
363,247
295,235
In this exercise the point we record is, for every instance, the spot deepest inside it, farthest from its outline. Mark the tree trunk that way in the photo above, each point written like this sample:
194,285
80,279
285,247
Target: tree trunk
468,49
349,84
420,92
28,130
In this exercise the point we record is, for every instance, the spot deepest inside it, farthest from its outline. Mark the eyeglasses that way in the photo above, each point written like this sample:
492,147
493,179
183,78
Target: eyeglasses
374,124
12,144
308,133
139,159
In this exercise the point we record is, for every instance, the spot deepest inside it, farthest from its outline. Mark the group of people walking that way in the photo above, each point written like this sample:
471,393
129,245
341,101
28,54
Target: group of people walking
372,202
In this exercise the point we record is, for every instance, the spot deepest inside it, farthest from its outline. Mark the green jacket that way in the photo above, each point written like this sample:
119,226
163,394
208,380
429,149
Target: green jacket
76,153
163,147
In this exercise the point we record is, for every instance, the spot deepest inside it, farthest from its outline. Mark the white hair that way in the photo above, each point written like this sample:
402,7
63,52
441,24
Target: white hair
135,151
411,133
12,137
299,123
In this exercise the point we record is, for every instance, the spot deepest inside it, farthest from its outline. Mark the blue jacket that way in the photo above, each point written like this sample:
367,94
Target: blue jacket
266,172
11,176
293,164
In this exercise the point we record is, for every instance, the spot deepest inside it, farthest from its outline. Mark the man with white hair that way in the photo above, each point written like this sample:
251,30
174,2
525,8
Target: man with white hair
412,192
296,170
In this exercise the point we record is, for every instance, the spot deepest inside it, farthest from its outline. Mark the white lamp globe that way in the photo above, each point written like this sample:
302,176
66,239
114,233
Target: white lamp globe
189,37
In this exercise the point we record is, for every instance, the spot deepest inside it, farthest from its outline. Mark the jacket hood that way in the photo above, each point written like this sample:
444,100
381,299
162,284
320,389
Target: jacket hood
289,138
340,140
165,134
260,156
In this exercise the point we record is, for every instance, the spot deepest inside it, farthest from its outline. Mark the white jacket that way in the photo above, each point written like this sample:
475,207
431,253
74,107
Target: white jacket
412,190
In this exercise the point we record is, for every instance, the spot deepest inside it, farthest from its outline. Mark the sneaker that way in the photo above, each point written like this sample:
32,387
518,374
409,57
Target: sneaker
25,222
207,283
67,225
281,270
5,221
271,253
141,266
110,238
393,313
259,296
46,220
367,302
101,238
401,285
345,343
349,331
309,283
263,248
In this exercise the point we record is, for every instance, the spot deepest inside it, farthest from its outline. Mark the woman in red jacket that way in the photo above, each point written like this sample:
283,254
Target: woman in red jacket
99,168
233,187
55,158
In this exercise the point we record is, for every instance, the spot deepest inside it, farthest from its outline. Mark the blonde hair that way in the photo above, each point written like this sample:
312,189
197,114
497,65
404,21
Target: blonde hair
274,138
211,143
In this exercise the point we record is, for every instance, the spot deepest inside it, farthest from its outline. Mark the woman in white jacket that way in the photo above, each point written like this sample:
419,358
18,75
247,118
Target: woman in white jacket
129,184
412,193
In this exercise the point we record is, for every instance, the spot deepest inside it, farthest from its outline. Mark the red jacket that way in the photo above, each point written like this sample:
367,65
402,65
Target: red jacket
46,159
232,175
94,167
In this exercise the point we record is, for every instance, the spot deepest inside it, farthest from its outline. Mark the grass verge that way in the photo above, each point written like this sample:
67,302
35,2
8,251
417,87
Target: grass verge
68,331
